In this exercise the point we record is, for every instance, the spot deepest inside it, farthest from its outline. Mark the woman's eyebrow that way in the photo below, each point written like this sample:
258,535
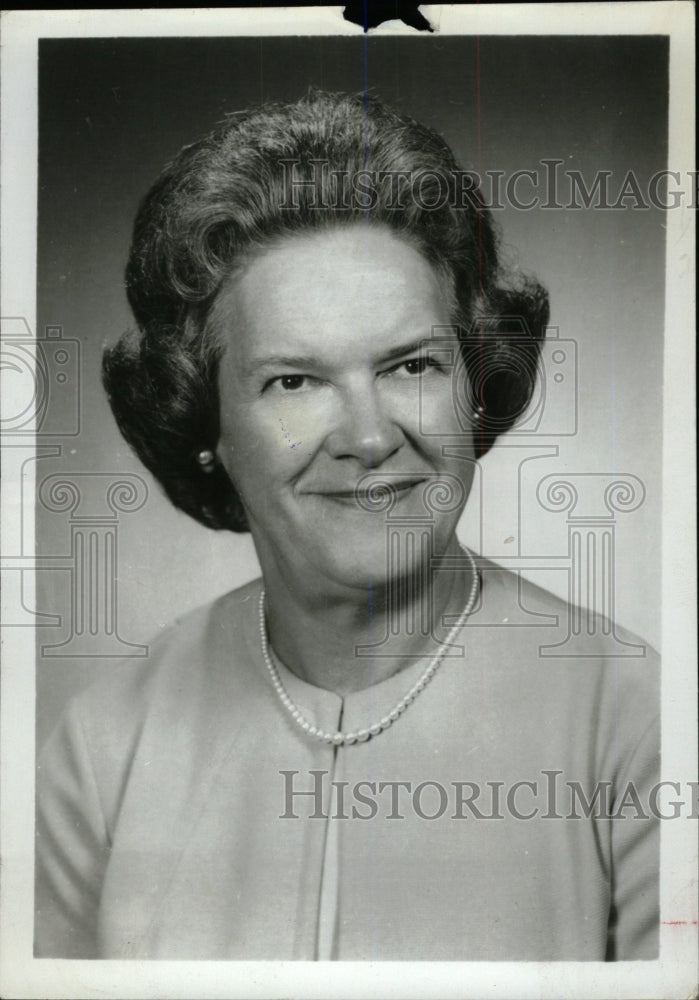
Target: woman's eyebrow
403,349
281,361
309,362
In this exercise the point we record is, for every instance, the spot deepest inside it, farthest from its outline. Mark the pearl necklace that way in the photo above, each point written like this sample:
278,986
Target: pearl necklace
340,739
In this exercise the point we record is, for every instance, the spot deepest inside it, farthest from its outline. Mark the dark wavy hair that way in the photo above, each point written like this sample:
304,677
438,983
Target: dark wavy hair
228,195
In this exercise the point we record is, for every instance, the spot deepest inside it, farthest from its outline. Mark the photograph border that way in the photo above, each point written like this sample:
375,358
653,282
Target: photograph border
675,973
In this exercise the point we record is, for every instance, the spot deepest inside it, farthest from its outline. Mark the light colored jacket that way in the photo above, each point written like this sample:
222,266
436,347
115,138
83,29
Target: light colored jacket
167,797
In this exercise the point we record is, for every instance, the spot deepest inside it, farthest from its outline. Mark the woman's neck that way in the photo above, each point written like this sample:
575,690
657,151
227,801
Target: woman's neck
347,642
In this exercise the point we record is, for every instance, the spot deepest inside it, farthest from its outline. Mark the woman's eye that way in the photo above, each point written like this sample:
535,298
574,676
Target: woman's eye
289,382
416,366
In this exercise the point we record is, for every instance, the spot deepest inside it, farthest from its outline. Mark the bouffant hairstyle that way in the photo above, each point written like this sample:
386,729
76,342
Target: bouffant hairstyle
268,173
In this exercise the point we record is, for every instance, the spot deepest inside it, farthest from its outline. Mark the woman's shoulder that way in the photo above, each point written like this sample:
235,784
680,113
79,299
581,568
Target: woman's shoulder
576,675
581,644
504,587
187,661
186,696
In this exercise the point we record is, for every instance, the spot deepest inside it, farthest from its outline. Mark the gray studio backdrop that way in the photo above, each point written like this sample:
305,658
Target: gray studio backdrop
119,562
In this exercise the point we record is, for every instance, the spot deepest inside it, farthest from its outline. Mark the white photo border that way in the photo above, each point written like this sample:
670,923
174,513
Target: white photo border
675,973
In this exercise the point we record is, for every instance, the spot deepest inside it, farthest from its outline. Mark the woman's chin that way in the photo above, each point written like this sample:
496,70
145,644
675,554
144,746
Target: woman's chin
370,563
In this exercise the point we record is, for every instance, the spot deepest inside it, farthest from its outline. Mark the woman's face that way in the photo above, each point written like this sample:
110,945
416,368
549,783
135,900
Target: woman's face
324,379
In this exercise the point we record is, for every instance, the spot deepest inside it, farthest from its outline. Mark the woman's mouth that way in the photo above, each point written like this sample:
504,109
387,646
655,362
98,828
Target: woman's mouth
376,496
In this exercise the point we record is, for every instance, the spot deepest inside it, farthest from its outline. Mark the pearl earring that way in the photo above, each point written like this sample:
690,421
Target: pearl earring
478,413
205,459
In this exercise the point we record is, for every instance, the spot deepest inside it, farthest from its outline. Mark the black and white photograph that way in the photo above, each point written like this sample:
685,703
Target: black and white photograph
349,606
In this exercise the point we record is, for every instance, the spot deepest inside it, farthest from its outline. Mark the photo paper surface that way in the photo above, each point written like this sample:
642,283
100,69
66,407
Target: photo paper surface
342,662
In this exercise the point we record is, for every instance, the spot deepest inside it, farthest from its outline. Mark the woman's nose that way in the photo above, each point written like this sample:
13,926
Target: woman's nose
365,428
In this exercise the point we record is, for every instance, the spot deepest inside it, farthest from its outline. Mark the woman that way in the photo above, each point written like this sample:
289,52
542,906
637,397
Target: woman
335,762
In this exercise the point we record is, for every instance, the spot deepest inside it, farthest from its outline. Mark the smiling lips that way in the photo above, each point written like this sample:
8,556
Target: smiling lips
378,487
